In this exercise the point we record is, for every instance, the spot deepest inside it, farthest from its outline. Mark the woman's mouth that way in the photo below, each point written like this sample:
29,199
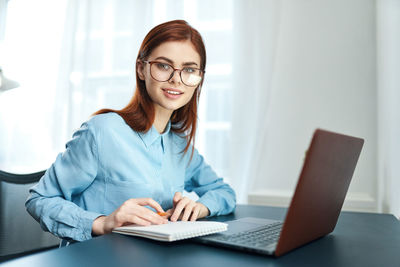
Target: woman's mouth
172,93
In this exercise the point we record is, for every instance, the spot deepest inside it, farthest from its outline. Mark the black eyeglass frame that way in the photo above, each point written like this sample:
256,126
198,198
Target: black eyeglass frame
151,62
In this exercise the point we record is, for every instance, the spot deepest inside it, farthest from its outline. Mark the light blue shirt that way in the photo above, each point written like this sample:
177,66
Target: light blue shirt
107,163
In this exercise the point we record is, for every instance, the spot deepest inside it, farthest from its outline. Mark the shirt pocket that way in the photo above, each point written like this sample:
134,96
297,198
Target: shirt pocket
117,192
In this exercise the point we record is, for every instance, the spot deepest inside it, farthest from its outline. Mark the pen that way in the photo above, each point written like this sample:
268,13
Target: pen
162,213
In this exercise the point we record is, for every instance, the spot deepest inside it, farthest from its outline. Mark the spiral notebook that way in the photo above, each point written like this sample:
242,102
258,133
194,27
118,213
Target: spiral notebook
173,231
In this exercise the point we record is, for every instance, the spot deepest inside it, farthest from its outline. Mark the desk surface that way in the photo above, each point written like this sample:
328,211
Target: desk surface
359,239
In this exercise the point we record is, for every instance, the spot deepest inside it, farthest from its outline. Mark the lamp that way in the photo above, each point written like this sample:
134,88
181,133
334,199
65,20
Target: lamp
5,83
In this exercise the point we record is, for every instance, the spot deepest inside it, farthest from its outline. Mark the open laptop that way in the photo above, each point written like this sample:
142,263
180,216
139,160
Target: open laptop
315,207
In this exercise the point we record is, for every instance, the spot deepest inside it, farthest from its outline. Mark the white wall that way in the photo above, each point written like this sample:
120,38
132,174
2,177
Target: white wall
325,77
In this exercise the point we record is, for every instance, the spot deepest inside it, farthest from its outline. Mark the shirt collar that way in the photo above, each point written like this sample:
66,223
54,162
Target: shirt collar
152,135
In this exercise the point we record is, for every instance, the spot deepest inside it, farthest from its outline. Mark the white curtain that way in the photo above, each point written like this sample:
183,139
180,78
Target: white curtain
257,27
240,37
94,69
388,59
3,14
101,43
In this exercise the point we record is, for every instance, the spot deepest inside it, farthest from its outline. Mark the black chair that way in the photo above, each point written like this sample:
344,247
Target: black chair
20,234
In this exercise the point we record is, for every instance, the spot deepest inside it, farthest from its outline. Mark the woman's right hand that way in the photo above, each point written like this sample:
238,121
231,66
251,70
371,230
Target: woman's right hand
132,211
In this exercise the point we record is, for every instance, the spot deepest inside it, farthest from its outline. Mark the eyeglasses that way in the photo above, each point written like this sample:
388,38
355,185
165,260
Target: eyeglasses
163,72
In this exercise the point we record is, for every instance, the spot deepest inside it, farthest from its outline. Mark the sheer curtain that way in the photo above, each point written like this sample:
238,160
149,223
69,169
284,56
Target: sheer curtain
257,28
101,44
98,71
94,68
388,36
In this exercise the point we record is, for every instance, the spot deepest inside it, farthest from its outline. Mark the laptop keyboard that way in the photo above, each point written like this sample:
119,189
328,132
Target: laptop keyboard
260,237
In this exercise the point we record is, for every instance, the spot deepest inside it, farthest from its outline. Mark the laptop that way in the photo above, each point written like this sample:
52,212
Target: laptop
315,206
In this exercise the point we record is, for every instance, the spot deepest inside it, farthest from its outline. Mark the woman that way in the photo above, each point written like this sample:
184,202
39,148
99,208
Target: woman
130,166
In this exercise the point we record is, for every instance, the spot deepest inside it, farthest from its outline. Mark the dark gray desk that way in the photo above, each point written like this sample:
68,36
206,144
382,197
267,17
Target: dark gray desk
360,239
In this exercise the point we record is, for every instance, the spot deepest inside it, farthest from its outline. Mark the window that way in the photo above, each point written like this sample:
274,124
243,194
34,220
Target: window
105,44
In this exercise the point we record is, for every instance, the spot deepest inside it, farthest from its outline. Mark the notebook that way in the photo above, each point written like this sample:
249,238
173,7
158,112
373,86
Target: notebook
173,231
315,206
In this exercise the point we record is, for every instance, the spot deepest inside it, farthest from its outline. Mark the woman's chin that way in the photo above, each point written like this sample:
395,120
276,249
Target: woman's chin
170,107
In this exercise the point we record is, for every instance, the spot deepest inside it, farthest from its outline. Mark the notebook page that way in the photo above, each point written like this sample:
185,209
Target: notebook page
174,230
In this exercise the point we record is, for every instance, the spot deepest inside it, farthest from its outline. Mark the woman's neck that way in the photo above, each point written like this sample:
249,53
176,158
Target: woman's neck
161,119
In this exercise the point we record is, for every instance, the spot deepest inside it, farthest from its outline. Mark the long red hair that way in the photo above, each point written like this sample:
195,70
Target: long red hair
139,113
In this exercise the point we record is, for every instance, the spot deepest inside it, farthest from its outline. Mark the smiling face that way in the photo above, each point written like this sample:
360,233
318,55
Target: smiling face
171,94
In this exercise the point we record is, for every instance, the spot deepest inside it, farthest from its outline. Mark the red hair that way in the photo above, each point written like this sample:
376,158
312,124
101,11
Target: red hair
139,113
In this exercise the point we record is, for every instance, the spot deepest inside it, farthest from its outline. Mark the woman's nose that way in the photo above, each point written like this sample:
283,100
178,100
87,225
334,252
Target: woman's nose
176,78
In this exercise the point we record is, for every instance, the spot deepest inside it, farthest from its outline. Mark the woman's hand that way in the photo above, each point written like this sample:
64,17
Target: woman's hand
131,211
185,209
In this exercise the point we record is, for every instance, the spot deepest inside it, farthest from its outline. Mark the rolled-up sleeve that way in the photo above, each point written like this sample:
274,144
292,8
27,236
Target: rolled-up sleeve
51,200
213,192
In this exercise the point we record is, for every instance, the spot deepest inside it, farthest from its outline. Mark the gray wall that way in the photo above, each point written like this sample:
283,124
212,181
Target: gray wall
325,78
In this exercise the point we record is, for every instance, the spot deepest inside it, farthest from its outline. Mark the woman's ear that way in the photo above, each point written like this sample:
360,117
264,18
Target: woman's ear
140,69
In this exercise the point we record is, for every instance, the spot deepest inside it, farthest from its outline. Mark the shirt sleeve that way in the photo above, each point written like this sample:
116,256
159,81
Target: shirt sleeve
51,200
216,195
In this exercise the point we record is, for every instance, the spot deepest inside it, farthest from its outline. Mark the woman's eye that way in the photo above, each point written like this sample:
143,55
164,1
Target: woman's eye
189,70
163,66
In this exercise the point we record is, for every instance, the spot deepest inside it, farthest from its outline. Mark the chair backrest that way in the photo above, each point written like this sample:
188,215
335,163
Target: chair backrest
19,232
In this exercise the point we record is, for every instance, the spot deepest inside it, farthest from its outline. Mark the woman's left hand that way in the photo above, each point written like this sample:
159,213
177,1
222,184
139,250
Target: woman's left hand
186,209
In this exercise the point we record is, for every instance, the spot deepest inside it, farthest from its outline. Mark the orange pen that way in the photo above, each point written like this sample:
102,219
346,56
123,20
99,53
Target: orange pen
162,213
